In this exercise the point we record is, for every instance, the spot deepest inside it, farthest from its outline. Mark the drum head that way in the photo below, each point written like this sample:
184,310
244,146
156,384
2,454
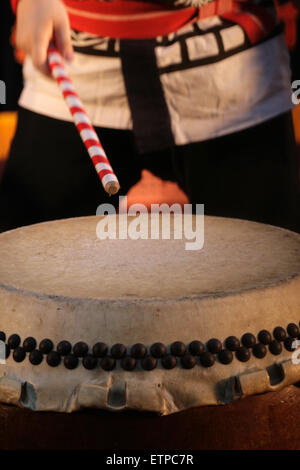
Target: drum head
147,324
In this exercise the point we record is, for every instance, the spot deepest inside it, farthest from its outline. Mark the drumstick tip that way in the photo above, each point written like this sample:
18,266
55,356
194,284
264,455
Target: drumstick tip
112,187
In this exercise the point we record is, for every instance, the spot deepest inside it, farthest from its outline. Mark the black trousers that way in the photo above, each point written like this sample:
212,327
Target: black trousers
252,174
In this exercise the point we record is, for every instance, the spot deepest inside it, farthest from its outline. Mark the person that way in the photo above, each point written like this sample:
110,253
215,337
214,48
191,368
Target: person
196,91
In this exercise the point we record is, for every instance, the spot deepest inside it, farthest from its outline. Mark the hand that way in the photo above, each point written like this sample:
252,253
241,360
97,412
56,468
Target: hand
39,22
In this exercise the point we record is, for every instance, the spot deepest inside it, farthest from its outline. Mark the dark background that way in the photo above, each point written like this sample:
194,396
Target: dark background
10,71
295,57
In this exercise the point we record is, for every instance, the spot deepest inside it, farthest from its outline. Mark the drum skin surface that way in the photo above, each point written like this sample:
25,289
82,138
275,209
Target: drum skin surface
59,282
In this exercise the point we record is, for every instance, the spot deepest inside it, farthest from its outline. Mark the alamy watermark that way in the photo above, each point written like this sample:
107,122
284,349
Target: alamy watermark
296,353
296,93
2,352
2,92
156,224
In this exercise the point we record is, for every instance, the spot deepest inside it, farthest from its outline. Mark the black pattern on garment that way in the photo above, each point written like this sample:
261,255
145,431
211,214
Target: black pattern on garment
106,47
149,111
90,44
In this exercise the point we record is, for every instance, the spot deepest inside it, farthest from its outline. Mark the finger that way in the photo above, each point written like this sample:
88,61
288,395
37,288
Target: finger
23,46
39,50
63,42
44,69
21,40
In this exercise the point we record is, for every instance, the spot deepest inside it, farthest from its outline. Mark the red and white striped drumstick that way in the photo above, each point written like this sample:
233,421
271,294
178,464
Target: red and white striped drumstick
83,123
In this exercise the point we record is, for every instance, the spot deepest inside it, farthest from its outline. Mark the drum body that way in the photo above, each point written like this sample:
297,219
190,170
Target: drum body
146,324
